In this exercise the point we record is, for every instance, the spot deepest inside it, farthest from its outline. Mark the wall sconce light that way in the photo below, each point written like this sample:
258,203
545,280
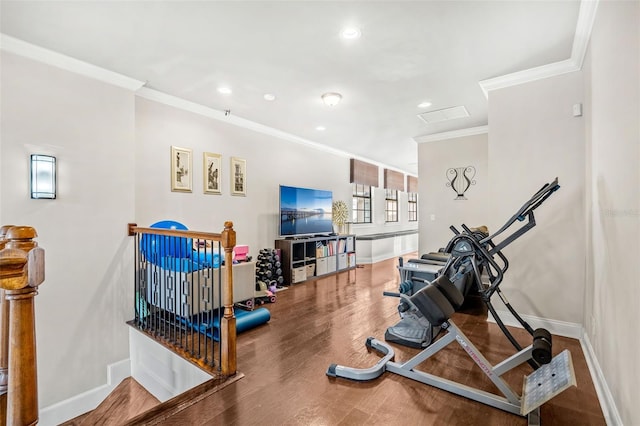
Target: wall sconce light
331,99
43,176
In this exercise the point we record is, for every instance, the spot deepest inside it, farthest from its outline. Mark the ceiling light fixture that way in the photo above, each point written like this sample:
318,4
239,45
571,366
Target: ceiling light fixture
425,104
331,98
321,128
351,33
224,90
269,97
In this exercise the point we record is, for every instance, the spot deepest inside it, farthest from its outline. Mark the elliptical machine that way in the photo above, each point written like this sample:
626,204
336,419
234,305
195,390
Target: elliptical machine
434,305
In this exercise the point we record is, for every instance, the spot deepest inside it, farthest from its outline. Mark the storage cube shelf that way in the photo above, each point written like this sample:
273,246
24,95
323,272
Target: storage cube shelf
308,257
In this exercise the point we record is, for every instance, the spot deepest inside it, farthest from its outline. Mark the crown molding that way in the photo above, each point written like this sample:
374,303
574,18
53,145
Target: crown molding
526,76
179,103
586,17
58,60
471,131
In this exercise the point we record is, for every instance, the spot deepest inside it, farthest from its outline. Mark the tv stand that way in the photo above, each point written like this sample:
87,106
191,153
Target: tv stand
303,258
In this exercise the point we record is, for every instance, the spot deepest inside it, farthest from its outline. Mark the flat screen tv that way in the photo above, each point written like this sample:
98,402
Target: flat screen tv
305,211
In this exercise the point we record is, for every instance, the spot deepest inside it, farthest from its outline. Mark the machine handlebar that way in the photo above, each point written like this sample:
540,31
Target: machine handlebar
486,248
526,211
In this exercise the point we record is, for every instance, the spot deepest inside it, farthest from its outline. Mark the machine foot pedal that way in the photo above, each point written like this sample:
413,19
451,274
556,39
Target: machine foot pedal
547,382
408,333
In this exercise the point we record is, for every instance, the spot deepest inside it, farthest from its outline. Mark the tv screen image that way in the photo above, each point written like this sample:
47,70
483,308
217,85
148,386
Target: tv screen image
305,211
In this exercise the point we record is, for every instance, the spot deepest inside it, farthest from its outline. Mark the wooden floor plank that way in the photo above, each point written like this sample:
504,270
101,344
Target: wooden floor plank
327,320
126,401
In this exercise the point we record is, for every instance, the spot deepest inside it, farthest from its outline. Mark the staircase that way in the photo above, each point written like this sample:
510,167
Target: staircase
126,401
21,273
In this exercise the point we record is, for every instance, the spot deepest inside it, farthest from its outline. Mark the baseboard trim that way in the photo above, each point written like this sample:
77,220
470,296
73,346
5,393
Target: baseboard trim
607,403
82,403
559,328
574,331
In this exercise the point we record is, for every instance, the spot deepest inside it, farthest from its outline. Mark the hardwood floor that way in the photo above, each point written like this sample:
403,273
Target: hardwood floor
316,323
126,401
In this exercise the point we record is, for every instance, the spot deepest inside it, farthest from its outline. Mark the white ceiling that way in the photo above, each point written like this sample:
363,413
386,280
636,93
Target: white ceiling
409,52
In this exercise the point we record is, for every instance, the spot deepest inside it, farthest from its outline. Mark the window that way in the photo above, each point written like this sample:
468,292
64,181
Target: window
391,205
413,206
361,203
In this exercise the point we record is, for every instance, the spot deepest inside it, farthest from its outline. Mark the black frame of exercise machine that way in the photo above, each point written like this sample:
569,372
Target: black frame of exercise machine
486,248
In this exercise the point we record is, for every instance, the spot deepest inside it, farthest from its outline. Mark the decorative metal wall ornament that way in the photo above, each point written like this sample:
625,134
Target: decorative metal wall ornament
460,179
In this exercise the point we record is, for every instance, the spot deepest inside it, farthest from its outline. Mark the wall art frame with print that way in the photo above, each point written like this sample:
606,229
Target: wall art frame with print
181,169
238,176
212,173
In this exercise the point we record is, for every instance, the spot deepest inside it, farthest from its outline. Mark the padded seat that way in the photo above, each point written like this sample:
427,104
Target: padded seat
436,257
450,291
438,301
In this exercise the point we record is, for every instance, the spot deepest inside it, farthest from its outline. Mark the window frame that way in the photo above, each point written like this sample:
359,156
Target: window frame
390,205
412,206
361,197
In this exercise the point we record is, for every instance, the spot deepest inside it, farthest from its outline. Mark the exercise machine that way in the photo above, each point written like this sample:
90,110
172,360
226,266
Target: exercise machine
413,330
436,302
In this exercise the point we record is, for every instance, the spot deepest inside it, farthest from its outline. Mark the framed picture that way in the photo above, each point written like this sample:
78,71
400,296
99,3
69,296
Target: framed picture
212,173
238,176
181,166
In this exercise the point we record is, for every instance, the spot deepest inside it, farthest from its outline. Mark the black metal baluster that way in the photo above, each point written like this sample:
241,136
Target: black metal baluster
136,281
220,311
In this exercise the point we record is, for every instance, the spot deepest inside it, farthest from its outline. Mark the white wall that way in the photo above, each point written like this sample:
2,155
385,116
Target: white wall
113,152
87,294
438,208
612,70
270,163
533,138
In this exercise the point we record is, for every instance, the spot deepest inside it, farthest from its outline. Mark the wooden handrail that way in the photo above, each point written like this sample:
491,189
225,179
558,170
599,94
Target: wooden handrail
227,330
21,272
133,229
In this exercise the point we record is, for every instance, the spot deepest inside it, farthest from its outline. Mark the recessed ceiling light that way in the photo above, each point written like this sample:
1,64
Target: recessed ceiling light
424,104
224,90
350,33
331,98
269,97
321,128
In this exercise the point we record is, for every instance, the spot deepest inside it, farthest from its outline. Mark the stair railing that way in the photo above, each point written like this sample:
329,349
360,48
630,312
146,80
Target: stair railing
4,340
184,296
21,272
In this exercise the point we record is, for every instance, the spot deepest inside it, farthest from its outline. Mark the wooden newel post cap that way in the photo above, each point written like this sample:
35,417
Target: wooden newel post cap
21,233
21,261
21,237
3,235
3,231
228,239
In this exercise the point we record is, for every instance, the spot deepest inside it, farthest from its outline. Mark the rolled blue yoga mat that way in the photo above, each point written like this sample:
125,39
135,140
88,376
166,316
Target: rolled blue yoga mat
246,320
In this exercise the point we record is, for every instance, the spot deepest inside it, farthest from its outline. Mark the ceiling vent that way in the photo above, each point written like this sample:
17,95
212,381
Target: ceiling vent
444,114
